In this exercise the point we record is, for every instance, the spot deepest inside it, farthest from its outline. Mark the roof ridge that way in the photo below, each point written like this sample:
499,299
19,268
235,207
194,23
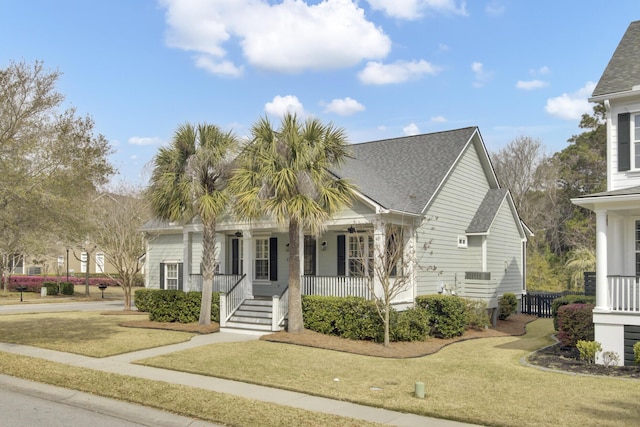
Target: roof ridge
415,136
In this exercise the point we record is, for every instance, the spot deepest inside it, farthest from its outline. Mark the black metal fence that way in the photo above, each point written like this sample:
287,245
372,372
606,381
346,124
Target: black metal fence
539,303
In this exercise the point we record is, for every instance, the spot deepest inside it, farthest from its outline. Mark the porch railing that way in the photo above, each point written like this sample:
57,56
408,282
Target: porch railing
280,307
624,294
337,286
221,282
231,300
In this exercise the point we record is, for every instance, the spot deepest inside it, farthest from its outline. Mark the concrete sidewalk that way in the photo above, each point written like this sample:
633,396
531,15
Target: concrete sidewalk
121,364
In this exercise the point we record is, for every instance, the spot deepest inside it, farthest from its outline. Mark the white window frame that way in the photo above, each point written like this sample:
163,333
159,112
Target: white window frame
463,241
83,262
171,280
635,139
99,262
261,256
353,253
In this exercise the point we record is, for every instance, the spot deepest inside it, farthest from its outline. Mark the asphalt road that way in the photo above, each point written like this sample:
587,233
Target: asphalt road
26,307
27,403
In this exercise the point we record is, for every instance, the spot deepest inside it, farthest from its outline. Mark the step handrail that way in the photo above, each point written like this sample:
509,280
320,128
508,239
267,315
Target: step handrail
231,300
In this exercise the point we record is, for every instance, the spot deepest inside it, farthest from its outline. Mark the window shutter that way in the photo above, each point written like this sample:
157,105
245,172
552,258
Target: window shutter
180,270
235,256
624,142
273,259
162,275
342,256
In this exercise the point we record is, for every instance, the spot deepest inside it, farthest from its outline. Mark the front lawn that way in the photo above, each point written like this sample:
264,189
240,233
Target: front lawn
479,381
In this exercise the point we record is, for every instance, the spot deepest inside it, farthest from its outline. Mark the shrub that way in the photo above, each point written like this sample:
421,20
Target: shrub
575,323
636,353
411,324
447,314
52,288
66,288
588,350
568,299
610,358
507,305
477,315
347,317
143,299
175,305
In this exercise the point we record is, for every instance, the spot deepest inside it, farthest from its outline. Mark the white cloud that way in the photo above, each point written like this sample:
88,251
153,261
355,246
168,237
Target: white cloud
438,119
144,140
571,106
282,105
481,76
286,36
344,107
531,84
494,8
411,129
223,68
133,157
414,9
443,47
377,73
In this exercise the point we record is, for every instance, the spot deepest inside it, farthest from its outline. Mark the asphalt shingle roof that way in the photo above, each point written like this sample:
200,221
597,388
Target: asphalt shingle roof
487,211
620,192
623,71
404,173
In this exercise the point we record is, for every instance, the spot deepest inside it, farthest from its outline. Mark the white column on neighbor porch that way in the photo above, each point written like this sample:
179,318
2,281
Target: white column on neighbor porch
378,253
187,243
247,260
616,263
411,262
601,261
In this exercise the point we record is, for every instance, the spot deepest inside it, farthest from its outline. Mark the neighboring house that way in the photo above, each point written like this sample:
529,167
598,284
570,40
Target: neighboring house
617,312
437,193
64,261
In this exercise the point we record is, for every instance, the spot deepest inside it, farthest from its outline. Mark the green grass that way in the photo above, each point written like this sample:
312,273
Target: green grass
187,401
86,333
478,381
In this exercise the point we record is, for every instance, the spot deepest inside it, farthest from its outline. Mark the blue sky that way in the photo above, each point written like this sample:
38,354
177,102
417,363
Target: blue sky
378,68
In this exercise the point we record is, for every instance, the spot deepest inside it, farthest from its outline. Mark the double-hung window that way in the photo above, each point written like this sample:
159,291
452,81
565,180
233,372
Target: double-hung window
171,276
360,255
262,259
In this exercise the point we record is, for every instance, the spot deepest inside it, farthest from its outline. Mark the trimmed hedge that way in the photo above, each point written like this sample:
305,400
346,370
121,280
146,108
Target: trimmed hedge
477,315
566,300
174,305
357,318
66,288
52,288
575,323
448,316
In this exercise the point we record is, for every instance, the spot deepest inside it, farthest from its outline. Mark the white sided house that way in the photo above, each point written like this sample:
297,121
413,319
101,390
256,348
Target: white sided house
617,312
437,193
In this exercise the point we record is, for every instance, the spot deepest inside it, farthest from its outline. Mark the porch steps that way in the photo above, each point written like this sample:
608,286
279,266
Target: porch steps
253,314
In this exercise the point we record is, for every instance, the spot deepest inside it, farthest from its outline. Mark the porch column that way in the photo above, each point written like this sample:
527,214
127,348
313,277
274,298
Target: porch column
602,303
410,260
187,242
247,260
379,250
616,263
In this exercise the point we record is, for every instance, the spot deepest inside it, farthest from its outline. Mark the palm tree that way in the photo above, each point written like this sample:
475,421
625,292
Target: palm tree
190,179
284,174
580,260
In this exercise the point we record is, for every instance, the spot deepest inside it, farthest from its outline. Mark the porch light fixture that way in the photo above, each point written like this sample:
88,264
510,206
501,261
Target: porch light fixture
323,246
351,229
286,247
238,233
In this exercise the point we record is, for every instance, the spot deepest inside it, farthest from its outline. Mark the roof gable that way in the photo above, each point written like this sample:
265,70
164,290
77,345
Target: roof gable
623,70
404,173
487,211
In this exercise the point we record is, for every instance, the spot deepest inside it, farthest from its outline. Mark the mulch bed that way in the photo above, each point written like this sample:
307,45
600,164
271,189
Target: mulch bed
514,325
567,359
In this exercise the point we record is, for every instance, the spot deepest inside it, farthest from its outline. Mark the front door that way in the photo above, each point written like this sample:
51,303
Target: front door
309,256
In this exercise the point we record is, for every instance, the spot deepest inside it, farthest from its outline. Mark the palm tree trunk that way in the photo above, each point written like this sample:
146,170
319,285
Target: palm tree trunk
295,324
208,268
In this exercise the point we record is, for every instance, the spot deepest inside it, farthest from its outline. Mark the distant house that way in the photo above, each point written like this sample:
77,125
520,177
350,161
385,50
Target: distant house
437,192
617,312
